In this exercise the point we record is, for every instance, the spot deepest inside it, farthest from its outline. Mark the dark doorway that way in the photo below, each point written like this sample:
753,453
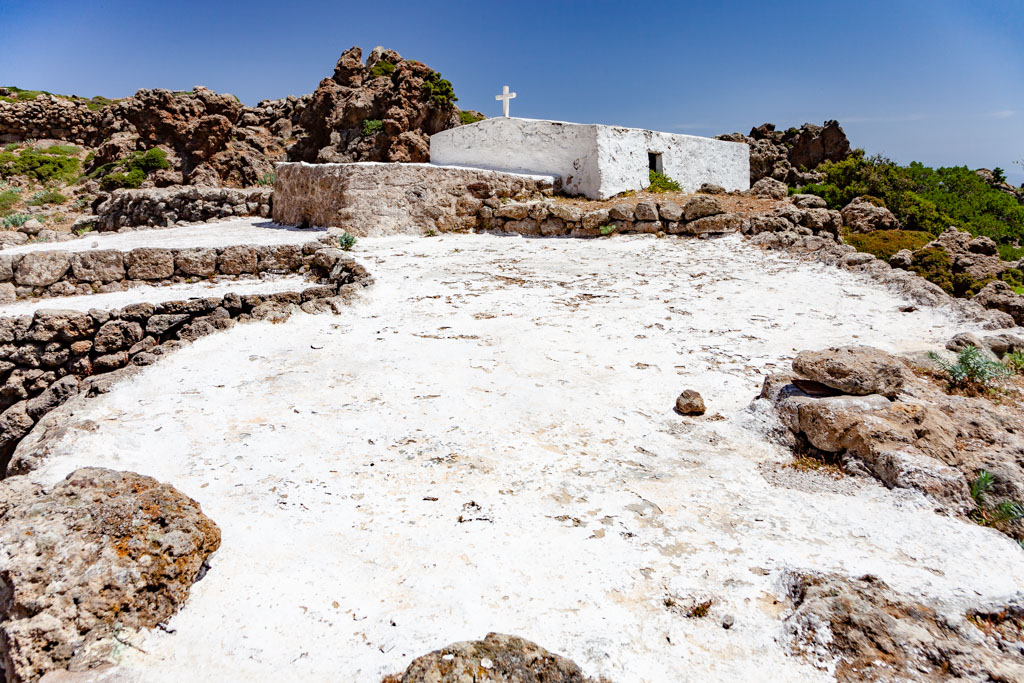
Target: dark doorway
654,161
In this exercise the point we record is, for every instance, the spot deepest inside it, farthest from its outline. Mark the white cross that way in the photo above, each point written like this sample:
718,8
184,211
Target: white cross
505,96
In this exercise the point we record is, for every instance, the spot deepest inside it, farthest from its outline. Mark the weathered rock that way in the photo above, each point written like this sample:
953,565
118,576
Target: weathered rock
279,257
690,402
98,551
64,325
498,658
768,188
621,212
41,268
877,634
237,260
670,211
903,258
861,215
721,223
809,201
1000,296
116,335
197,262
101,265
858,370
645,211
700,207
781,154
56,394
149,263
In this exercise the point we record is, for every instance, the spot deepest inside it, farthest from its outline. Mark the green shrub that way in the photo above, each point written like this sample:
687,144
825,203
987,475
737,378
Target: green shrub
15,220
438,90
346,240
382,68
606,229
114,181
372,126
46,197
998,175
267,179
1014,362
971,369
8,198
41,167
933,264
885,243
469,117
151,160
1010,252
662,183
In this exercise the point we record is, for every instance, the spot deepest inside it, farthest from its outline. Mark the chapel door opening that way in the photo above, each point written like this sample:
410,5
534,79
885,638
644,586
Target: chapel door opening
654,161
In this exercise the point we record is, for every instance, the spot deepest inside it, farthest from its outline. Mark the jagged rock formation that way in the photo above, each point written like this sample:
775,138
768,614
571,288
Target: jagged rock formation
387,89
213,139
99,552
792,155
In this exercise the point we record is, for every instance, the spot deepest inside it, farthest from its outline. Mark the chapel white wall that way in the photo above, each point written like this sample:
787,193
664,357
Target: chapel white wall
688,159
523,146
593,160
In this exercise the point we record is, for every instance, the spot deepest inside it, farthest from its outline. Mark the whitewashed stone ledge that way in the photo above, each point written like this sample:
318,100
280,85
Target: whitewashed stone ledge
372,199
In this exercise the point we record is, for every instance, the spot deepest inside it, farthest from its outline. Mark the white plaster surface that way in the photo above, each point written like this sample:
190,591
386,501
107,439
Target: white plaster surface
267,284
528,386
593,160
250,230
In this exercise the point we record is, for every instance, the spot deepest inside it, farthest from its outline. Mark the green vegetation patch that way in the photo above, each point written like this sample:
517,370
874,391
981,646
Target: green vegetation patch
438,90
8,198
38,165
885,243
468,117
662,183
382,68
46,197
372,127
923,198
131,171
19,95
15,221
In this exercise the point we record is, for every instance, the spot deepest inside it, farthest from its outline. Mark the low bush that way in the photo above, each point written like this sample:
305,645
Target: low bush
933,264
8,198
382,68
1010,252
372,127
662,183
38,165
438,90
130,180
972,370
346,240
885,243
1014,362
151,160
267,179
46,197
999,516
469,117
61,150
15,221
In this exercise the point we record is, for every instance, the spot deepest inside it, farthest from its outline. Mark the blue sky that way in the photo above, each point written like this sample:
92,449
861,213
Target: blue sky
938,82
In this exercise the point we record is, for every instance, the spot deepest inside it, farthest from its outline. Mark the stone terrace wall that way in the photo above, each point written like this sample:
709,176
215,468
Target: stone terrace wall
165,207
67,273
378,199
48,357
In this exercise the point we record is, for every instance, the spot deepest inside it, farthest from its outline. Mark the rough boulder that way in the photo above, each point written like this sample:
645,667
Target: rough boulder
791,156
98,552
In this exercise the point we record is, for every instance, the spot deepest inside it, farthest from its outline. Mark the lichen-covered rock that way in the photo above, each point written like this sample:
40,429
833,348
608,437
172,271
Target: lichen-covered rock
858,370
99,549
149,263
498,658
868,632
768,188
100,265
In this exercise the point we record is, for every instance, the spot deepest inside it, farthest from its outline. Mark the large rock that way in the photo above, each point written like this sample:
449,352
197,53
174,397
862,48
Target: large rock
768,188
700,206
149,263
791,155
101,265
858,370
101,550
498,658
1001,297
875,634
862,215
41,268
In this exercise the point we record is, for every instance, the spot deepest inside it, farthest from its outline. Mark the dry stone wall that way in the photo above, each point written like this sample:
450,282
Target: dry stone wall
50,356
378,199
167,207
98,271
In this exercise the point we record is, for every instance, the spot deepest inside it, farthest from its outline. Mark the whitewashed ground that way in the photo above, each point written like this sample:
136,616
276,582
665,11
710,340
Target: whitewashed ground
156,294
527,385
259,231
